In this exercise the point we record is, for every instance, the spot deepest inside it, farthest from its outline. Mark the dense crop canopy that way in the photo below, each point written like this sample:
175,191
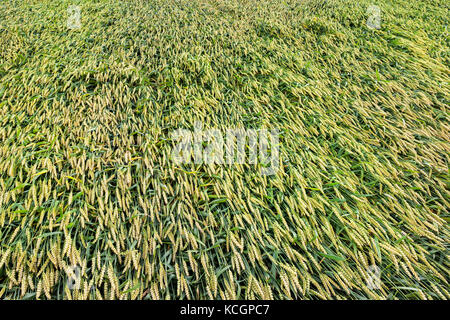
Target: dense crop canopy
88,184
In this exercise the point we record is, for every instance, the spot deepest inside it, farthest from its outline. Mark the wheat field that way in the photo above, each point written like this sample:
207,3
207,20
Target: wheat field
87,182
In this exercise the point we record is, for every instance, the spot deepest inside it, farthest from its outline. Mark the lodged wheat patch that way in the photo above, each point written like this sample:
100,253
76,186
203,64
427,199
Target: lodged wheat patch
89,189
